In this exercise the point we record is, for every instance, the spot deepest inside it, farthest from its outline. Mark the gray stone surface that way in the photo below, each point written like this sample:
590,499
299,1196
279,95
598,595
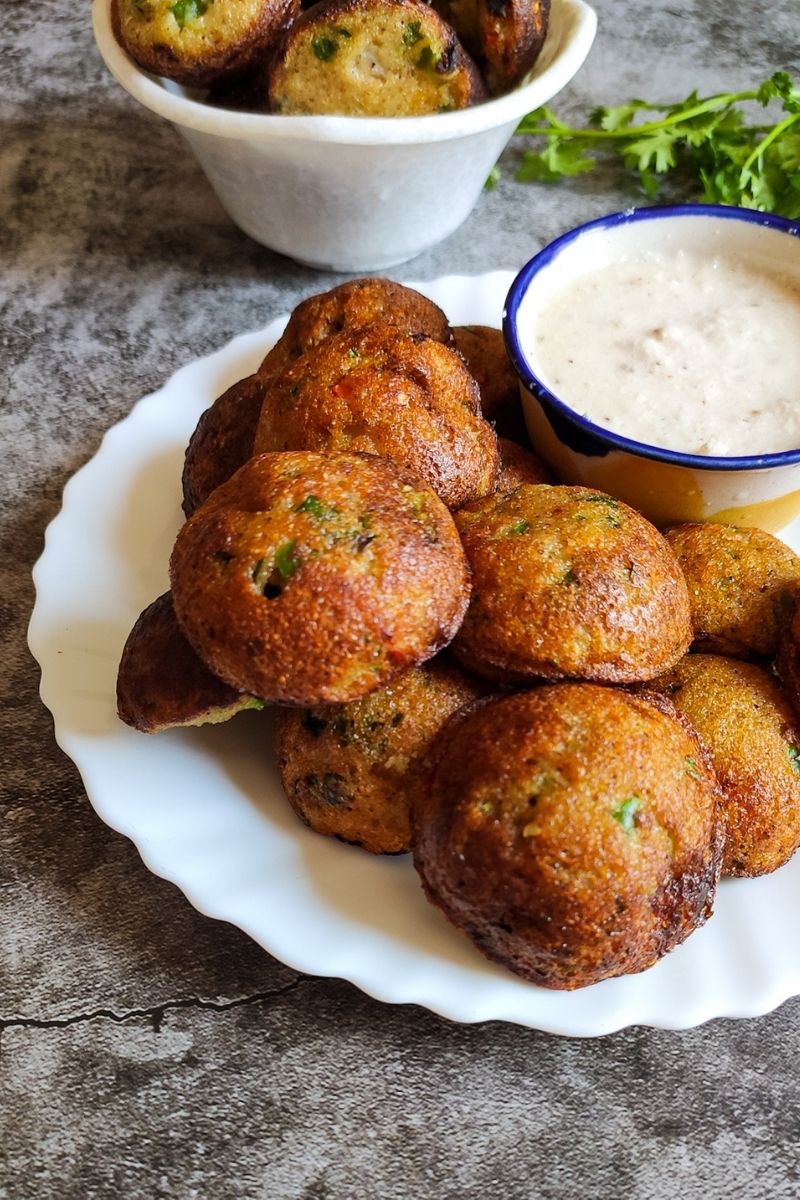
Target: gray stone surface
146,1051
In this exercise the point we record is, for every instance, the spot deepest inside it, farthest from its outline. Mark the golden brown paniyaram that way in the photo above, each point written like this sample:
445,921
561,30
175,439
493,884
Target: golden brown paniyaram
484,352
740,586
310,578
382,391
572,832
199,42
161,682
518,465
352,306
378,58
503,36
350,770
222,441
569,583
746,724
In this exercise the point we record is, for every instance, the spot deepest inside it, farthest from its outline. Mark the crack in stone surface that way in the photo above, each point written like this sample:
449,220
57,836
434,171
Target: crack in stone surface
155,1012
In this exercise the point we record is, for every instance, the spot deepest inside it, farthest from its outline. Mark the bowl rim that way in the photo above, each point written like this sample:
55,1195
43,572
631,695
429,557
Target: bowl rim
617,441
577,27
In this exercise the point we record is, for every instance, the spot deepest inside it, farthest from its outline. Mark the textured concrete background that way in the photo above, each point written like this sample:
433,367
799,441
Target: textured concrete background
146,1051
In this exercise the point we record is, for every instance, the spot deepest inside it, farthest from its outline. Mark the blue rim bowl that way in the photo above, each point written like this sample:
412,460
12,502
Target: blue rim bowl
577,430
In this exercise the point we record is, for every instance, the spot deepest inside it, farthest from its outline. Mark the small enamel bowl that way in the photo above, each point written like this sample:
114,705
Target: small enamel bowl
353,193
666,485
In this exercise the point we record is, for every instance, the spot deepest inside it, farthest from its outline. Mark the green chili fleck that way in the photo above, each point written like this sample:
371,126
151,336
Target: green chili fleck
411,33
317,508
285,560
519,527
626,812
793,755
690,765
427,58
185,11
324,47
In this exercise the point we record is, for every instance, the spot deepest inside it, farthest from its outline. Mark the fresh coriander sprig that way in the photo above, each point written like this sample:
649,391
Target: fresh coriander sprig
702,140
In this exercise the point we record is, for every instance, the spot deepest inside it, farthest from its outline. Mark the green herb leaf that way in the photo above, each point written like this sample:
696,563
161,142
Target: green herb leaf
556,161
411,33
492,179
317,508
691,768
519,527
324,47
285,560
706,142
793,754
185,11
610,501
626,812
427,59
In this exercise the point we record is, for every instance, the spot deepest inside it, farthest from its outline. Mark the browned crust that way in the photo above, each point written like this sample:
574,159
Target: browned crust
454,58
504,37
311,579
569,583
161,681
354,305
484,352
524,843
381,391
787,659
225,63
751,734
512,35
222,441
741,584
518,466
350,771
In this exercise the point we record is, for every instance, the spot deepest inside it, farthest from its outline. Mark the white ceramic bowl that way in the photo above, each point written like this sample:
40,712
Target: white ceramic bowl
666,485
353,193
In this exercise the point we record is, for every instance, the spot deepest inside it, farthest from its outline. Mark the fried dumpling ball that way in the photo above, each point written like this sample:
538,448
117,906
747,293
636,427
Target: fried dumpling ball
222,441
748,728
382,391
162,683
569,583
484,352
312,579
503,36
350,770
572,832
199,42
787,659
352,306
518,465
377,58
740,586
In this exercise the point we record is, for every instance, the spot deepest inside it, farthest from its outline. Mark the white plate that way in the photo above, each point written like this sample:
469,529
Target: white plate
205,808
